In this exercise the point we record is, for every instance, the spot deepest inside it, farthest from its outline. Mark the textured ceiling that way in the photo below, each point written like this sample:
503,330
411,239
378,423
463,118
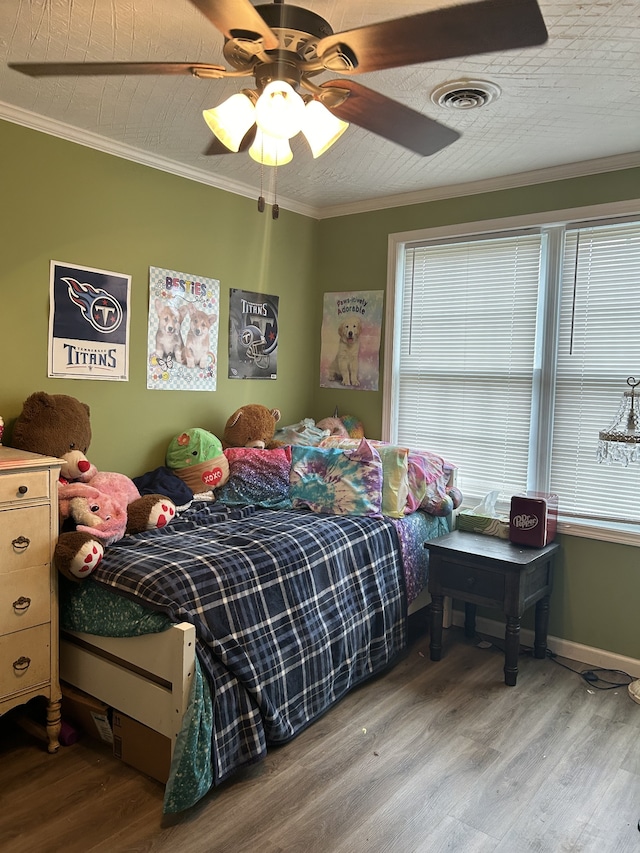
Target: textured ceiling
573,100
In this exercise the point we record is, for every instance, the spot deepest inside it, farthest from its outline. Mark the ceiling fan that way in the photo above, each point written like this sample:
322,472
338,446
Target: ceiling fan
278,42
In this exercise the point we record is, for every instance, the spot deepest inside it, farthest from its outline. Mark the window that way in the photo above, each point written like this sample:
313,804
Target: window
510,352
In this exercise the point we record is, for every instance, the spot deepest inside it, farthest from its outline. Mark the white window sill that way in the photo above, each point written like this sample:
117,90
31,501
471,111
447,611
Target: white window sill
605,531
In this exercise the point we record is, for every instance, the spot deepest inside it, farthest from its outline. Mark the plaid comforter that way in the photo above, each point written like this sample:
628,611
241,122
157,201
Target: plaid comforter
291,609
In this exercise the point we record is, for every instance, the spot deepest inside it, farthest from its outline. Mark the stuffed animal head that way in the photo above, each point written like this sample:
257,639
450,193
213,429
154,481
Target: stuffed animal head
251,426
345,426
55,425
93,511
196,457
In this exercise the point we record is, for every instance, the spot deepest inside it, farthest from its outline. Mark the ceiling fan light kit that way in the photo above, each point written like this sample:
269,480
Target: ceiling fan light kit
321,128
231,120
284,46
270,150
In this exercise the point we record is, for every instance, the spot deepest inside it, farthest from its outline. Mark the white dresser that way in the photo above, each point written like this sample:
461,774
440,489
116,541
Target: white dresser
29,584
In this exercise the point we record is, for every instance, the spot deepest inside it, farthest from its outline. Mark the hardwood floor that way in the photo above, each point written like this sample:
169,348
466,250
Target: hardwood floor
429,757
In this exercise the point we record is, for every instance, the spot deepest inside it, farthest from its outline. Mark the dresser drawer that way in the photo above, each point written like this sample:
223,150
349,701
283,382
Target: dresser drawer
25,660
25,538
24,486
25,599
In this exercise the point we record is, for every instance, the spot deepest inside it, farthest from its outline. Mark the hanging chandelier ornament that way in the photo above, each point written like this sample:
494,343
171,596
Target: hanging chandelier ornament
621,441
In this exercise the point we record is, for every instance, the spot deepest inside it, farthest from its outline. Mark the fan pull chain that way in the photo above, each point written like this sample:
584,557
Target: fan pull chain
275,210
261,204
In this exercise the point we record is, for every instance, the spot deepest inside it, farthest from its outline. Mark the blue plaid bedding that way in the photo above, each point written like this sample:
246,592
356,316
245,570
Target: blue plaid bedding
291,608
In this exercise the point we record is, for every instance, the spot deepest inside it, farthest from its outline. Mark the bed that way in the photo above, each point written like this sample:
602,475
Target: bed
248,624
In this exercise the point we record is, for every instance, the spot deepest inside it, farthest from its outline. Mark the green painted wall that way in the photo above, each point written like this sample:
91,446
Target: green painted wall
65,202
597,584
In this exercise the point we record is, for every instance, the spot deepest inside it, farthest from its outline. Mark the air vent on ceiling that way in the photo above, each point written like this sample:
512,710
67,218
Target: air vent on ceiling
465,94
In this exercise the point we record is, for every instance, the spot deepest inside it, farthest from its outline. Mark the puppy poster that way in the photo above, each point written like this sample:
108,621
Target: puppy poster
88,323
350,345
183,331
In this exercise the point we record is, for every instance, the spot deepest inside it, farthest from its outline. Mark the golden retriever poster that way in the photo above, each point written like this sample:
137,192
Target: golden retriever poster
350,345
183,331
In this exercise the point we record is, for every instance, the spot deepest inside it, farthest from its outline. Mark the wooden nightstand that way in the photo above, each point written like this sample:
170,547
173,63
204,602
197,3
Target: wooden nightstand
29,583
491,572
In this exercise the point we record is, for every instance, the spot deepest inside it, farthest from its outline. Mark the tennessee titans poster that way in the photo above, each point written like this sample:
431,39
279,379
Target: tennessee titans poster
253,335
88,323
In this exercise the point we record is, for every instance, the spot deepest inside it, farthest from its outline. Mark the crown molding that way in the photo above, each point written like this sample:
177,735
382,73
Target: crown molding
52,127
507,182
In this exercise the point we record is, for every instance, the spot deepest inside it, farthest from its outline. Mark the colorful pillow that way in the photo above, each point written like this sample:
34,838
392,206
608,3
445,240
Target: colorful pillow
429,484
395,482
258,477
395,472
341,482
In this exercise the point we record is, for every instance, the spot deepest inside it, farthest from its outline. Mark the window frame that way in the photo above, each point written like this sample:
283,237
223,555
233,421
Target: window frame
548,220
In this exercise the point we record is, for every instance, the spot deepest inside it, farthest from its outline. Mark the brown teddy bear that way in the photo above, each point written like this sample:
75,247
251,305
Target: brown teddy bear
251,426
96,508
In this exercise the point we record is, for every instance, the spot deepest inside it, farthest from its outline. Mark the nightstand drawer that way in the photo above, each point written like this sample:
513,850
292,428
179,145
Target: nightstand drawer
25,599
24,486
25,538
468,580
25,660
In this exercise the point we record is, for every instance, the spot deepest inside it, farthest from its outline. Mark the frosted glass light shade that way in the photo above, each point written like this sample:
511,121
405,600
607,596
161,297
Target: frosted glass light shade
269,150
321,128
231,120
280,111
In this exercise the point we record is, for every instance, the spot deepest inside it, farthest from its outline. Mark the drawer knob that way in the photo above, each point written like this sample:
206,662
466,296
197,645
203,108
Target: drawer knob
471,581
22,664
23,490
21,543
22,604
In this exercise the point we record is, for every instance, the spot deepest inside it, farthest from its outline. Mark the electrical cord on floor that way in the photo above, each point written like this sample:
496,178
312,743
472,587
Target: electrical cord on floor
598,677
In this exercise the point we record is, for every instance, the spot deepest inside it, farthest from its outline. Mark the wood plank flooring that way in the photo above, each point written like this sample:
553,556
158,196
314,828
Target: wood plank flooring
429,757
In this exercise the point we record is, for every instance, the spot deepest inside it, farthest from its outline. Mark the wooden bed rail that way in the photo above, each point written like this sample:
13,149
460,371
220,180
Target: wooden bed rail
148,678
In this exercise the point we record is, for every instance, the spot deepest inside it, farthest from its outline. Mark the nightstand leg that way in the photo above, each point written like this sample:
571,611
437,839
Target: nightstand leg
435,626
511,650
541,627
469,620
54,724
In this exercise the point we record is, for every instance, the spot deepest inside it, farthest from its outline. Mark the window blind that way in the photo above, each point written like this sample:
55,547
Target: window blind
598,348
514,352
466,357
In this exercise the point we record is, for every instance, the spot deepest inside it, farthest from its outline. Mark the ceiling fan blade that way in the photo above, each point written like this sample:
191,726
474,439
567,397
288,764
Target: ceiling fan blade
56,69
217,147
237,17
390,119
463,30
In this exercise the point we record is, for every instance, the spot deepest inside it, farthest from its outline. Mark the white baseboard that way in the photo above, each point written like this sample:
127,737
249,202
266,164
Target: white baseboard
563,648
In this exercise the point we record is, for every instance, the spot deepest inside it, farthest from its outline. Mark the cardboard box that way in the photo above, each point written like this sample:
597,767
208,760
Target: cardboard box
141,747
472,523
86,713
533,519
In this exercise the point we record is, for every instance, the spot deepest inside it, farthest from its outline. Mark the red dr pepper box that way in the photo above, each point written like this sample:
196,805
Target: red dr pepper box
533,519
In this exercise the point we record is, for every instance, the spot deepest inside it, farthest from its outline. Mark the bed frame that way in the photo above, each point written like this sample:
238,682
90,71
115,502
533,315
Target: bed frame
147,678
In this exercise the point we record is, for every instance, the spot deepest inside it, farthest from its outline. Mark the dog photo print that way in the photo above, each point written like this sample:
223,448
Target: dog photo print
253,335
183,331
88,323
350,344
